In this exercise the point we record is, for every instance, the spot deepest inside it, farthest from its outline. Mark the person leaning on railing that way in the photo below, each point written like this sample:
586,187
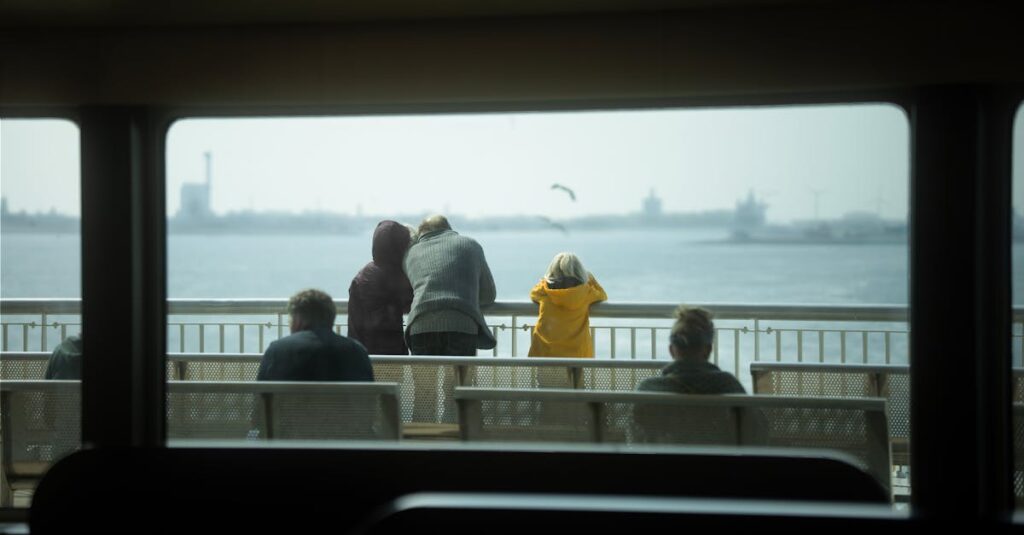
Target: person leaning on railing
450,281
690,372
380,293
564,297
313,351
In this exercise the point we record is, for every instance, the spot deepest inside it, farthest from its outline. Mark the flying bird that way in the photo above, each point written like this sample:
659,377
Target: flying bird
553,224
572,195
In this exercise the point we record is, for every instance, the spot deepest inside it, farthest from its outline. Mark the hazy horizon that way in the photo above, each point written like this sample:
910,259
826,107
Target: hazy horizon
853,158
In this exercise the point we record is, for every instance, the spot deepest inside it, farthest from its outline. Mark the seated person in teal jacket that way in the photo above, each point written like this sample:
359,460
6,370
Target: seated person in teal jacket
66,360
690,372
314,352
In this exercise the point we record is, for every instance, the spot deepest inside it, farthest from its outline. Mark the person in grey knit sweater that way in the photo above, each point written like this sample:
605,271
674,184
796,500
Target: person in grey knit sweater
450,282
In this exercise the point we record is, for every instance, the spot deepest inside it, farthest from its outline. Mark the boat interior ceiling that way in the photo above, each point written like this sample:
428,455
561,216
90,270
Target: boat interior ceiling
377,56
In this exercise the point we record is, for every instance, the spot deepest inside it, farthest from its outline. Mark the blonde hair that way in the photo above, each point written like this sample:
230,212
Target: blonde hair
432,223
566,265
693,329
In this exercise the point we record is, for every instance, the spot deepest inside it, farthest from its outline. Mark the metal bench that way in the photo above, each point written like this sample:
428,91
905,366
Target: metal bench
857,427
282,410
40,419
425,383
40,422
888,381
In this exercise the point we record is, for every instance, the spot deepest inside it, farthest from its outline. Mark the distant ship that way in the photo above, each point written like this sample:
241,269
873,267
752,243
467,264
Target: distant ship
749,226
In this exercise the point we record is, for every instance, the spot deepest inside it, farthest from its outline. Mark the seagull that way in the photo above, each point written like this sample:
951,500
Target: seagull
558,226
565,189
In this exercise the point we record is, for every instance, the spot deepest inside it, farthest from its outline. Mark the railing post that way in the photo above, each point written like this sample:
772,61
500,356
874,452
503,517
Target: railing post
42,332
654,344
757,339
515,336
612,336
800,345
736,352
632,343
842,346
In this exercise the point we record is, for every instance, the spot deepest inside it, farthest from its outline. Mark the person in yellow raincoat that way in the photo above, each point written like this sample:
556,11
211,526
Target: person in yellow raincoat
565,295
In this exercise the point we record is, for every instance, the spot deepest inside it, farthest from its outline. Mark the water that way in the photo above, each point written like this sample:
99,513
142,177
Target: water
692,266
632,265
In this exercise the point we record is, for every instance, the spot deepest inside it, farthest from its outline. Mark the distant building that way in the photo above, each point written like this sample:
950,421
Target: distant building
195,198
652,206
749,216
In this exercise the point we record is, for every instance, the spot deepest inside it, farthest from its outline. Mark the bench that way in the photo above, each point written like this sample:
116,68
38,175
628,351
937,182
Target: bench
426,383
857,427
888,381
40,420
282,410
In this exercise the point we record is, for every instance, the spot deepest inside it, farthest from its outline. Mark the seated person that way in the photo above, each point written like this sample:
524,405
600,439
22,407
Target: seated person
690,372
66,360
314,352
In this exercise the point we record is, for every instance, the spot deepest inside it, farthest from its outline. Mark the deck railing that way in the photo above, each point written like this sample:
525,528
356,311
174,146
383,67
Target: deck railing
865,334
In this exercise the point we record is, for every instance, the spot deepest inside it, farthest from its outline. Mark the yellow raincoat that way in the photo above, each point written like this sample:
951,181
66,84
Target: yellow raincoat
563,325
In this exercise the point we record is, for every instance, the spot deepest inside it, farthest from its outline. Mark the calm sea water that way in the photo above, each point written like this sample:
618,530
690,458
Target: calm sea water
645,266
655,265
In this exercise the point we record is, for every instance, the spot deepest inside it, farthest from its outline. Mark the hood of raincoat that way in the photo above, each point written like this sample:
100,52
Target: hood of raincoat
579,296
390,242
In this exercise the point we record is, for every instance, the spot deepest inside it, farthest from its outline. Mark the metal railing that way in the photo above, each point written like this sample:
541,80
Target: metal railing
744,333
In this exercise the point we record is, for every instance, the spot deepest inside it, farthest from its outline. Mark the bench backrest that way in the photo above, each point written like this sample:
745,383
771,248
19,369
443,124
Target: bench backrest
40,422
280,410
891,382
855,426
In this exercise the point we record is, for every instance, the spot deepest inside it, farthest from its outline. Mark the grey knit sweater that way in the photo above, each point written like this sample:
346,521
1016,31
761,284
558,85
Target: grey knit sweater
448,272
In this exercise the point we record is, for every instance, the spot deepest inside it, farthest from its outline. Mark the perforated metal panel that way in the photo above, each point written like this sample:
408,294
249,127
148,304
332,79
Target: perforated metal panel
667,424
331,417
44,426
894,387
816,383
243,370
531,421
213,415
855,432
625,380
22,369
896,391
518,377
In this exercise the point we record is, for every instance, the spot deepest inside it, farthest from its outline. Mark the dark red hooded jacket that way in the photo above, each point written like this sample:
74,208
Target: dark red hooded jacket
380,293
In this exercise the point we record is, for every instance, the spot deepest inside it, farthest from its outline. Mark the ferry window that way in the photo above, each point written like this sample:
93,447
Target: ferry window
1017,334
788,225
40,288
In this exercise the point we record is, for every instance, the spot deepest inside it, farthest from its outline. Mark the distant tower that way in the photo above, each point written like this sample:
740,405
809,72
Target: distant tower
652,206
195,198
749,216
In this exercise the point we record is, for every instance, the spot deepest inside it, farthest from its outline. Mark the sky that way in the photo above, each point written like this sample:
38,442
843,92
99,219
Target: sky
848,157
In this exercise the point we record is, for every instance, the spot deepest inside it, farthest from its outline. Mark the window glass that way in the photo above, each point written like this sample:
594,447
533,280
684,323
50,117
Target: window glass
778,221
40,287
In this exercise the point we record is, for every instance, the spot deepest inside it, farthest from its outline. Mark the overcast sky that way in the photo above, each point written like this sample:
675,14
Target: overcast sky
855,157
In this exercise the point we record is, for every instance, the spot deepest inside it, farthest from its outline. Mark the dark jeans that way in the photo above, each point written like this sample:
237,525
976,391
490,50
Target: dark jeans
445,344
428,398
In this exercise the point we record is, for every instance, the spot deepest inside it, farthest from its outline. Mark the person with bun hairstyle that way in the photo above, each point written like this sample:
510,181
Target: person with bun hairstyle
690,372
563,323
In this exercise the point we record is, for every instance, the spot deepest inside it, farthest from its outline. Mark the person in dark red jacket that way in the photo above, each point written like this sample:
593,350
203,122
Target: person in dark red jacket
380,293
